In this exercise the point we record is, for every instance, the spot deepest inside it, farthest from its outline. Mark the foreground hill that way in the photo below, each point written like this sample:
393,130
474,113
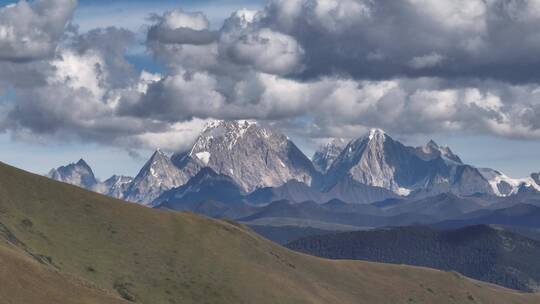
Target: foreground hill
481,252
24,280
152,256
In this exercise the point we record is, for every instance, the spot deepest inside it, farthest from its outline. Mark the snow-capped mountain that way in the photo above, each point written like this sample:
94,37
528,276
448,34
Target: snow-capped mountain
255,156
158,175
79,174
378,160
503,185
115,186
251,154
327,154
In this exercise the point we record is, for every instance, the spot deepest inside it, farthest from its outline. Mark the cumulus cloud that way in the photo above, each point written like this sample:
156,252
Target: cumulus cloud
72,94
317,68
407,106
179,27
31,30
267,51
489,39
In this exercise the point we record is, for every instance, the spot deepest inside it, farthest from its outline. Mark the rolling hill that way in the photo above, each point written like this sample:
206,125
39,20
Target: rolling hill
108,249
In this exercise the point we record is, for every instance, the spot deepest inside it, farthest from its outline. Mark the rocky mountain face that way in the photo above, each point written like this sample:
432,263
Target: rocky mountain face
79,174
252,155
433,151
158,175
536,178
327,154
378,160
205,185
115,186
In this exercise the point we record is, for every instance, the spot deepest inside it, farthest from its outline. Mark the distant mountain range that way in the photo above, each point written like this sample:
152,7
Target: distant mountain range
482,252
266,166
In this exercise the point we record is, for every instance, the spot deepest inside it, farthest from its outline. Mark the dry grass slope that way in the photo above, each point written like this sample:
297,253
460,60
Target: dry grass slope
151,256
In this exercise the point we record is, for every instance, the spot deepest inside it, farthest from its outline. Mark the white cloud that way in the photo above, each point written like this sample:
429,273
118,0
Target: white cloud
459,15
31,30
322,67
337,15
267,51
178,138
179,19
80,71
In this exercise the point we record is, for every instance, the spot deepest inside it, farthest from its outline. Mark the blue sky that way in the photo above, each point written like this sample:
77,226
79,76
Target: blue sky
95,13
515,157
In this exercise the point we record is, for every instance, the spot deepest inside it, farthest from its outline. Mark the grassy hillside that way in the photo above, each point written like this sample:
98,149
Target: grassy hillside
24,280
152,256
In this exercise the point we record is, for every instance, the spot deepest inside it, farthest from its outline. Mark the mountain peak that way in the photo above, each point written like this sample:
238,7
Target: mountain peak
157,175
227,133
230,125
327,153
433,150
376,133
78,174
432,143
378,160
249,152
82,162
158,154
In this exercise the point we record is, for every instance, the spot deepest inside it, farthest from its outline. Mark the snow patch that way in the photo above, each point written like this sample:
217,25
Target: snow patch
495,178
403,191
204,157
153,172
375,132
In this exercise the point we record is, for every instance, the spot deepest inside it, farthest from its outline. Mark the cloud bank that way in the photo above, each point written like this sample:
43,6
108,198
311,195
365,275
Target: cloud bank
318,68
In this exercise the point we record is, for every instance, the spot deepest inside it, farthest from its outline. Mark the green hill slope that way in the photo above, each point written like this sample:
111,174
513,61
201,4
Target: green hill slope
23,280
151,256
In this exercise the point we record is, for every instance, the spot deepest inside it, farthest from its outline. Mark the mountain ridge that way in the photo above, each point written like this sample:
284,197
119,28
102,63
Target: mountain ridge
257,157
